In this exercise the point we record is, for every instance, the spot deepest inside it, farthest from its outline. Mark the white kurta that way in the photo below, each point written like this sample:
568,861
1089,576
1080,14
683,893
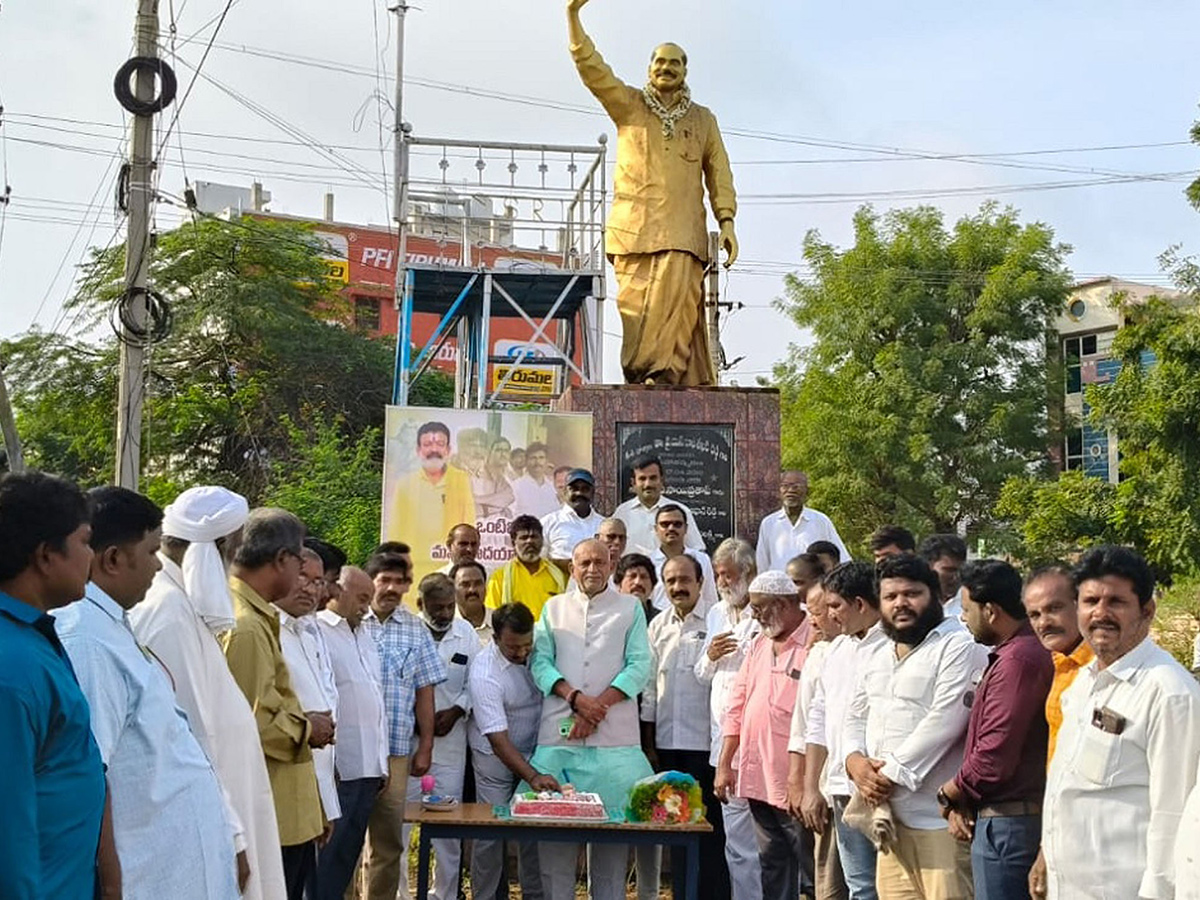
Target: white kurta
220,719
457,649
722,673
307,660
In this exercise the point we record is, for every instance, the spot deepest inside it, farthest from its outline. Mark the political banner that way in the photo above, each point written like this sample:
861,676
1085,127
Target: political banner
444,467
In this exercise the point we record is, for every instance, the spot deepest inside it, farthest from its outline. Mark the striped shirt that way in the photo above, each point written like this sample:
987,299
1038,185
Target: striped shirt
409,661
503,698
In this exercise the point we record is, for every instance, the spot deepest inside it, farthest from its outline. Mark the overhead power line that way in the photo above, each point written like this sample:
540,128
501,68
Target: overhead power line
898,153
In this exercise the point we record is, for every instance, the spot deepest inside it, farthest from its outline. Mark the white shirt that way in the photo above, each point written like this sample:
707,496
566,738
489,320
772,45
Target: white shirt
503,698
952,608
1114,801
535,499
708,585
564,529
167,623
484,630
826,714
457,648
639,525
721,674
312,690
174,837
674,694
912,713
1187,849
361,748
810,679
779,540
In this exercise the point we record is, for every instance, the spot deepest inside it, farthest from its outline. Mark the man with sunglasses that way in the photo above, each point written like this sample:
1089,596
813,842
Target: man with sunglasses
671,529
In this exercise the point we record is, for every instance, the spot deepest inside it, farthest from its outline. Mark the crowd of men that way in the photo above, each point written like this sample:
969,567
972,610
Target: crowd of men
205,701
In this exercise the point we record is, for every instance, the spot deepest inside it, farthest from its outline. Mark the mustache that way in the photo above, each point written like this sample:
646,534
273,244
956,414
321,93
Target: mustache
1104,623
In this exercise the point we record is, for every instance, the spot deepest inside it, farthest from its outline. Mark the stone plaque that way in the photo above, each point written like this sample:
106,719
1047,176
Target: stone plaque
699,463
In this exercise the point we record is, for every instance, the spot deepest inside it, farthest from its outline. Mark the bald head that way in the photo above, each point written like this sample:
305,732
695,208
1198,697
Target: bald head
670,48
591,567
357,590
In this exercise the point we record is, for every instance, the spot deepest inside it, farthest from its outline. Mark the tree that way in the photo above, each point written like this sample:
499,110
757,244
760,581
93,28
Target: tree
256,366
1153,405
334,485
926,387
1055,519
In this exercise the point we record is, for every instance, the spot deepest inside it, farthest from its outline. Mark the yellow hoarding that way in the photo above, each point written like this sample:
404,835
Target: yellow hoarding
444,467
533,380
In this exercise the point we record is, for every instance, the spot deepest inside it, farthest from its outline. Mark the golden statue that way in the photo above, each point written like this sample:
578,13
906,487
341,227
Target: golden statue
668,150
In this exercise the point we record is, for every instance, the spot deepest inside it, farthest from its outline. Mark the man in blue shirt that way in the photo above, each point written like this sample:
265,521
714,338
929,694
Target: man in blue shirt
52,798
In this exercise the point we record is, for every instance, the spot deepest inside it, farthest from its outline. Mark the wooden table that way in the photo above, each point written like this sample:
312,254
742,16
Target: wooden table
477,821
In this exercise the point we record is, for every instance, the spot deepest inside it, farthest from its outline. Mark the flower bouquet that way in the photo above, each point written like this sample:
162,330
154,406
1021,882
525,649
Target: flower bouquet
668,798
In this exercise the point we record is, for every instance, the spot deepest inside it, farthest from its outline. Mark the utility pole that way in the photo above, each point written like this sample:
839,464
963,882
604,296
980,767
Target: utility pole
400,211
712,305
8,426
137,258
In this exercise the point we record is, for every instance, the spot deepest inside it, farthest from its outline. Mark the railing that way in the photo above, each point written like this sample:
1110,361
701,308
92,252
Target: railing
543,202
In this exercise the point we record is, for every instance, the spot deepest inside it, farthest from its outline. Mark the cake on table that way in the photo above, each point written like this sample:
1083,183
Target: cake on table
565,804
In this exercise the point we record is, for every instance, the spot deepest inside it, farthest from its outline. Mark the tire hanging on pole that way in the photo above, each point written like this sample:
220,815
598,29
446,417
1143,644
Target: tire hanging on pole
124,92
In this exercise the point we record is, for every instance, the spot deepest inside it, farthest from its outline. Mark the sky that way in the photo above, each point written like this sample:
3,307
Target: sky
824,107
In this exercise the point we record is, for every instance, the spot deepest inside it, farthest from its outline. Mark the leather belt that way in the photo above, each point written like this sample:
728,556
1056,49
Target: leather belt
1010,808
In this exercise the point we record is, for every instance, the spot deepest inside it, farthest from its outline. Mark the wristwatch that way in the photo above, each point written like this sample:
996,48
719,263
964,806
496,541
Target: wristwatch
943,800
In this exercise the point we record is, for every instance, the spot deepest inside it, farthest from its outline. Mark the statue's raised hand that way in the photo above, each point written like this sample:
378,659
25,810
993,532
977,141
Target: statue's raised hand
576,5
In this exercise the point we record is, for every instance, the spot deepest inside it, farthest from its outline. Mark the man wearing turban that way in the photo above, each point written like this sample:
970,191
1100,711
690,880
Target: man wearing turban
187,606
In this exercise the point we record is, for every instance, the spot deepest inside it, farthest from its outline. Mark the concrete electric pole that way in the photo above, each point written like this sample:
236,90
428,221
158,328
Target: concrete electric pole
137,255
8,427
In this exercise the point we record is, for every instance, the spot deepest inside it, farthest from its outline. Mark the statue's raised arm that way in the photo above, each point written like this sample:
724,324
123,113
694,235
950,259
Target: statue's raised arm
668,151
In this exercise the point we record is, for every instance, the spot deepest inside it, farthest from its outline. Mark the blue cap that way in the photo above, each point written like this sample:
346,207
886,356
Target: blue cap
581,475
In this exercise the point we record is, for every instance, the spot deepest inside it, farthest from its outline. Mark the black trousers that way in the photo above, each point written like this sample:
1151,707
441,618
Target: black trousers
300,869
337,860
785,853
714,873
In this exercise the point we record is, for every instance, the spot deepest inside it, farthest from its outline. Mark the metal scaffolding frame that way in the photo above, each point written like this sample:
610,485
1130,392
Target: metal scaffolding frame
501,227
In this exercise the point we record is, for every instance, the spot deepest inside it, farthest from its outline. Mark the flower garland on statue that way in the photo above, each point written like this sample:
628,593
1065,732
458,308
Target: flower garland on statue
668,117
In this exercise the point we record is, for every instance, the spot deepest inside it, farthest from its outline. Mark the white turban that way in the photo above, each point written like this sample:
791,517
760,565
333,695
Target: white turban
200,516
773,582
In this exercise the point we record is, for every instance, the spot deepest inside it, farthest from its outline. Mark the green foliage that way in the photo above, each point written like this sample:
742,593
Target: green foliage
334,484
926,387
258,374
65,398
1056,519
1178,619
1154,407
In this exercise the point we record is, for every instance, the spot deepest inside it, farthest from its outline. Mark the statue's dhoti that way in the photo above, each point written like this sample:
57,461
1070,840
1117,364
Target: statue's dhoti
661,299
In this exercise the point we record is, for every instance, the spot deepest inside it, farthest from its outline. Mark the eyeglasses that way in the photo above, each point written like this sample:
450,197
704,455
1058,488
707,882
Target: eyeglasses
671,523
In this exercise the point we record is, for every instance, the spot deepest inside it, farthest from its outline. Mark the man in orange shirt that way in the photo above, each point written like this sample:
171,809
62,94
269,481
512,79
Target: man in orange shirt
1050,602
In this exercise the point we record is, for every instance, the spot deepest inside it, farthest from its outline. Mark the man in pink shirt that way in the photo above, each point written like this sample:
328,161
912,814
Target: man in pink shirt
758,720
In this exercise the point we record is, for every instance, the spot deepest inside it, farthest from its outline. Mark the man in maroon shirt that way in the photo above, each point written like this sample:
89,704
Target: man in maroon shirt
995,800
